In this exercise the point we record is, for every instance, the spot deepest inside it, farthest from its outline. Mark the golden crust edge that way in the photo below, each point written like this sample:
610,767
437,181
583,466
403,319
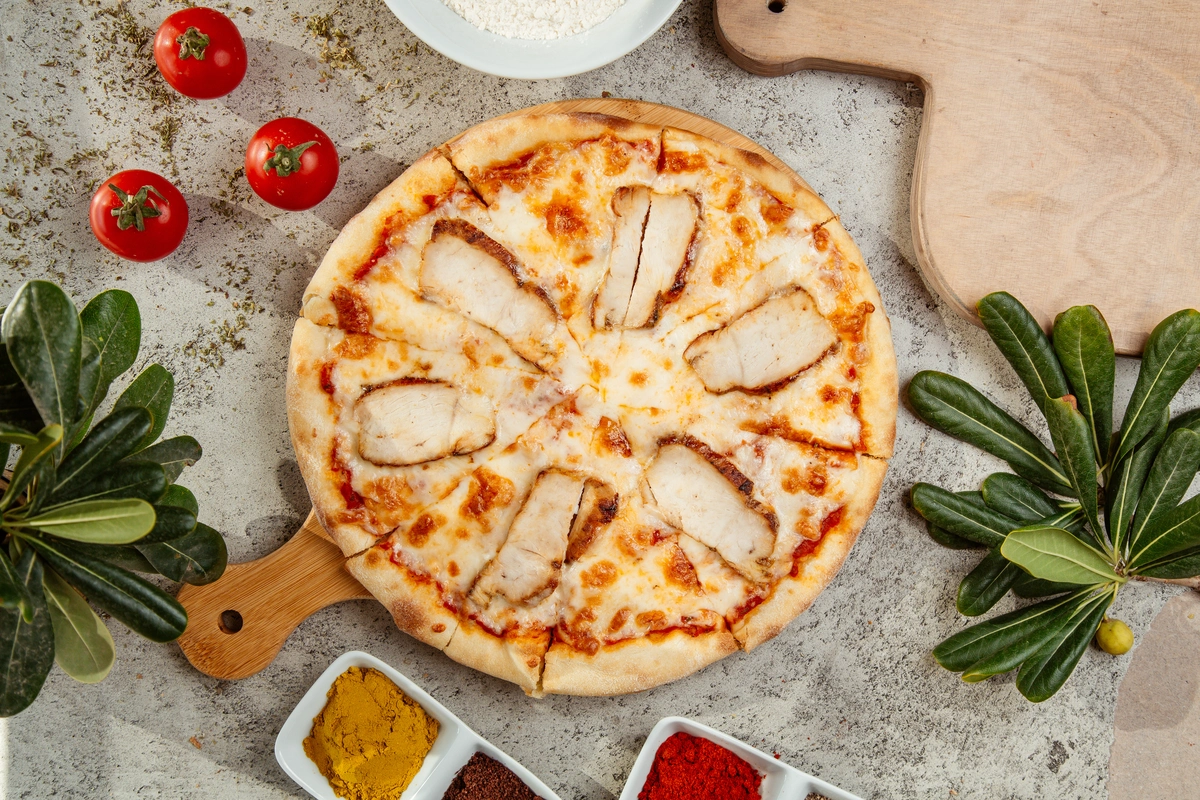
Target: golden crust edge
414,603
785,185
793,595
516,659
403,198
500,141
634,665
303,396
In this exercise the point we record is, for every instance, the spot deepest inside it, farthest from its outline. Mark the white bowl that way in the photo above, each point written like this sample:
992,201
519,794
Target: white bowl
780,781
454,746
452,36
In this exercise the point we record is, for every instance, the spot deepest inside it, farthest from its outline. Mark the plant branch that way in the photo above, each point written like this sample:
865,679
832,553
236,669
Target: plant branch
1191,583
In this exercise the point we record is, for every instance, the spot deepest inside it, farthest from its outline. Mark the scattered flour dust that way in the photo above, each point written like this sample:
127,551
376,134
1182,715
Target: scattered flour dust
535,19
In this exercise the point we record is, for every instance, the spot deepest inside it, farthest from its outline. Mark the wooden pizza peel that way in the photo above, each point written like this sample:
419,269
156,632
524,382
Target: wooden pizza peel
237,625
1057,155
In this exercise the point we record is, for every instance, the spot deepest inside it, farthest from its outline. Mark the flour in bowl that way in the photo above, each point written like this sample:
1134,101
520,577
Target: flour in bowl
535,19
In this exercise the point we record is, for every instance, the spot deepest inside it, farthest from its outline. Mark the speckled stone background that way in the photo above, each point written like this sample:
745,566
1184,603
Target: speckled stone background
848,692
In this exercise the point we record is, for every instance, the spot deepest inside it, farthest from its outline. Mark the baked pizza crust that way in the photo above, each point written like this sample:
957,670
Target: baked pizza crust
794,594
460,181
516,658
311,418
633,665
503,141
413,600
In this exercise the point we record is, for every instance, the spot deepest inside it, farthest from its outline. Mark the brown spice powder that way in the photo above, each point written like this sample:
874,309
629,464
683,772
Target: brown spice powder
485,778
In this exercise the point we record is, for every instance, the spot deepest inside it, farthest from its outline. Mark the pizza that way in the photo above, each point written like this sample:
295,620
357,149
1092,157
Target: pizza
590,404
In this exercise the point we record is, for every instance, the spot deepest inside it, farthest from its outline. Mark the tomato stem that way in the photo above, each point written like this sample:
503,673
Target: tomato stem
286,159
135,210
192,43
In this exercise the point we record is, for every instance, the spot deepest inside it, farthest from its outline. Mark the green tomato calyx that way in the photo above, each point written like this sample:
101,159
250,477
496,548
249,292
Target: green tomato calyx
136,209
1114,637
192,44
286,159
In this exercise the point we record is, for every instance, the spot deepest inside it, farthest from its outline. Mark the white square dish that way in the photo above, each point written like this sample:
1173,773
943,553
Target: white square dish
780,781
454,746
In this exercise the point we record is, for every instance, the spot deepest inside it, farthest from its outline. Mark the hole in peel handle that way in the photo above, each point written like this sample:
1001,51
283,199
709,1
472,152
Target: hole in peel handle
238,624
776,6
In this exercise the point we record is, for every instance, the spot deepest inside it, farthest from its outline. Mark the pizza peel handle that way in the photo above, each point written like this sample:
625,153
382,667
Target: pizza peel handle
237,625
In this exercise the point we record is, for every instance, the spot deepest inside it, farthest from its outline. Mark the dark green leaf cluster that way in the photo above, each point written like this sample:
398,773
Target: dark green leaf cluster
87,506
1078,519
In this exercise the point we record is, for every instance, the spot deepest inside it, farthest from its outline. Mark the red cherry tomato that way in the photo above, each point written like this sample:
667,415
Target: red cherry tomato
138,215
200,53
291,164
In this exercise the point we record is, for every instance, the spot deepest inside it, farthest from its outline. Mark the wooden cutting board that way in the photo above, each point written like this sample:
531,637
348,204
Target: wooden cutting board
1058,156
237,625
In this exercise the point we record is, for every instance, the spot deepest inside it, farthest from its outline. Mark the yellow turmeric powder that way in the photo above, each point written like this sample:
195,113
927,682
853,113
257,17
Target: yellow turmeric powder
370,738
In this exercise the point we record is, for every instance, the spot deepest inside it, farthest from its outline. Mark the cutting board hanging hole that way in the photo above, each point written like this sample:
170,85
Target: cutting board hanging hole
776,6
231,621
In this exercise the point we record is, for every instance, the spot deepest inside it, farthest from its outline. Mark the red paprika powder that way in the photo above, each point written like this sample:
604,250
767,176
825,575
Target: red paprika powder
687,767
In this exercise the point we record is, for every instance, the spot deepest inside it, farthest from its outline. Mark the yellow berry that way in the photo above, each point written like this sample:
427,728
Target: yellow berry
1114,637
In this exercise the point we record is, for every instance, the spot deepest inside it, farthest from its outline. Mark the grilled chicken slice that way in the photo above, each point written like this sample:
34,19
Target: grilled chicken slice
670,227
704,495
631,205
473,274
597,508
413,422
768,344
527,567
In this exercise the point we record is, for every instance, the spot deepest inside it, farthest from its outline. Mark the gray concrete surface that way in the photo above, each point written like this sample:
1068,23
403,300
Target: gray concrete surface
848,692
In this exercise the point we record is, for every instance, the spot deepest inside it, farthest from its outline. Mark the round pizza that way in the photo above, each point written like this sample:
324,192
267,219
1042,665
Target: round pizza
590,404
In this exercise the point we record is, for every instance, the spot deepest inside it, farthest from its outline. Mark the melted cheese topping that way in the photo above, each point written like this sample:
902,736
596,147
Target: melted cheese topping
789,449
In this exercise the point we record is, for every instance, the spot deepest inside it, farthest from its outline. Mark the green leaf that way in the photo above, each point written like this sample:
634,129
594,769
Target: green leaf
143,480
1023,343
14,434
12,590
1126,485
947,539
1188,419
955,407
113,438
83,647
111,319
174,454
1073,442
139,604
960,516
124,556
1016,498
16,406
1171,355
1029,586
97,521
151,390
26,647
1174,532
1169,477
197,558
180,497
1047,670
1185,564
1032,639
41,329
986,584
1054,554
90,390
170,522
34,458
1084,346
968,647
